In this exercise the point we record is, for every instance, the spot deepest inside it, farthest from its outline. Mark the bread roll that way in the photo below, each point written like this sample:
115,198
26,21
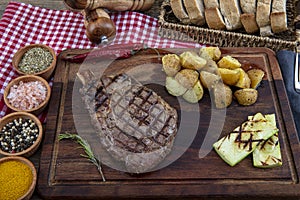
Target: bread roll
195,10
214,18
231,12
249,22
179,11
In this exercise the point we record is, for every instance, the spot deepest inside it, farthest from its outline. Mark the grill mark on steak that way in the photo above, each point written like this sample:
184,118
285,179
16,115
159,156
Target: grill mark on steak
134,124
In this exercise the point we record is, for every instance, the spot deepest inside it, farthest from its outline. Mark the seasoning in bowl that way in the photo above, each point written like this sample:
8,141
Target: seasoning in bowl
27,95
17,178
18,135
35,60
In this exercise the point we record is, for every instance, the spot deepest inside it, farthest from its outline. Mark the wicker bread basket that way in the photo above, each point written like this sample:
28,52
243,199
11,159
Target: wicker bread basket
170,27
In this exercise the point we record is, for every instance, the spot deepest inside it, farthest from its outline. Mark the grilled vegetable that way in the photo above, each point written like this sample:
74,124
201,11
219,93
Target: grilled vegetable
244,80
191,60
229,62
256,76
229,76
242,141
195,94
174,87
247,96
267,154
171,64
210,53
187,78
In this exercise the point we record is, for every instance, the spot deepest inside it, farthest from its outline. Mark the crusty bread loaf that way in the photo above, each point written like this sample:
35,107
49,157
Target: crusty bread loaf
214,18
278,6
179,11
278,22
249,22
231,12
211,3
248,6
263,11
195,10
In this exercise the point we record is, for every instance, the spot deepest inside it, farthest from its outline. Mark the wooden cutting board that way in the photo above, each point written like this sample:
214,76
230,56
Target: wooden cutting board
64,174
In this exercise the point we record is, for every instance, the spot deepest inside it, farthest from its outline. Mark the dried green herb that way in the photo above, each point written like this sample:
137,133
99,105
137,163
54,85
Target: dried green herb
35,60
87,149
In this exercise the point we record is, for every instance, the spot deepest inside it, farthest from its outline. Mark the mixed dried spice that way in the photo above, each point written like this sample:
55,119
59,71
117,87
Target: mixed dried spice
18,135
35,60
15,178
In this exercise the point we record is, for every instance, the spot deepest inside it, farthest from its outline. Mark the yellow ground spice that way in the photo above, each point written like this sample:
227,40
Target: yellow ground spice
15,179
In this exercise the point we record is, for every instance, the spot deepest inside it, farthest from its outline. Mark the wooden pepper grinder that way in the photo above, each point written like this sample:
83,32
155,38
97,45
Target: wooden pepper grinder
99,26
115,5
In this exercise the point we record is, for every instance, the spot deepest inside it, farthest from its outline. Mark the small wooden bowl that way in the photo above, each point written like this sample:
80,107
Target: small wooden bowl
28,78
32,149
29,193
46,73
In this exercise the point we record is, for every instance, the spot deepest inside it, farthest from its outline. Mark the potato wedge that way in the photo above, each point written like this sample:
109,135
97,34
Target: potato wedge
187,78
208,79
210,53
211,66
194,94
229,76
229,62
174,87
246,97
171,64
256,76
190,60
244,80
222,95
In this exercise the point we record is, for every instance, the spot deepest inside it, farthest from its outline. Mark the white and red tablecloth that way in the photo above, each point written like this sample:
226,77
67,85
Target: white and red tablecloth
23,24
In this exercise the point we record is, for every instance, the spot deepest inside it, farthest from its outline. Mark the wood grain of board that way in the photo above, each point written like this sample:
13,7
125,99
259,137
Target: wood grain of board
64,174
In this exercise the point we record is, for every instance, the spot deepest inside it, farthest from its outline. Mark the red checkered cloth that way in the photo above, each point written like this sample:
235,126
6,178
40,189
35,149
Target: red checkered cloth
24,24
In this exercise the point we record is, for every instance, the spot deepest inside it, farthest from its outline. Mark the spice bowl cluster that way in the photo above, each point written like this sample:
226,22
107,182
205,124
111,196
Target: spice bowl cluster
21,131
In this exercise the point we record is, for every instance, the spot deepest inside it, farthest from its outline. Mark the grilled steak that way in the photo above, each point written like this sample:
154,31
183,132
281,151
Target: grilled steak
135,125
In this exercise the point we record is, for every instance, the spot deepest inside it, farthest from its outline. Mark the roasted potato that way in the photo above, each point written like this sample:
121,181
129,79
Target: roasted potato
174,87
190,60
171,64
211,66
194,94
222,95
210,53
246,97
229,76
208,79
244,80
229,62
187,78
256,76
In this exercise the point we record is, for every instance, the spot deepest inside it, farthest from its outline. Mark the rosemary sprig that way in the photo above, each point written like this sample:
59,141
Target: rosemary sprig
87,149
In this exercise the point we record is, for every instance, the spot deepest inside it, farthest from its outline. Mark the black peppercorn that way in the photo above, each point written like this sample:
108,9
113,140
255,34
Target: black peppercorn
18,135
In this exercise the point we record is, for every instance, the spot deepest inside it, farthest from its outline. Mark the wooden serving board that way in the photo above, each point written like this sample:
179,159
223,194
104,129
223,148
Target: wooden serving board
64,174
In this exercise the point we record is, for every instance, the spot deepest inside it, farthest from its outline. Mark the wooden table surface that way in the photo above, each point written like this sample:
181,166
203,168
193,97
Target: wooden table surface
59,5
